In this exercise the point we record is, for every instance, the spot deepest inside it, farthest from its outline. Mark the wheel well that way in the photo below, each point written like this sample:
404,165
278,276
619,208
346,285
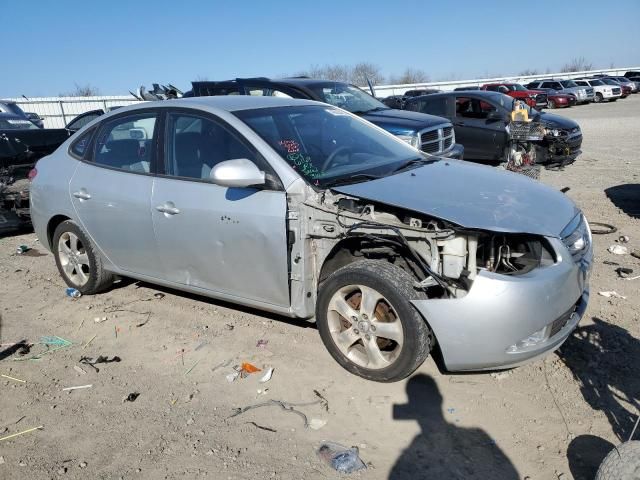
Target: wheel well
352,249
53,224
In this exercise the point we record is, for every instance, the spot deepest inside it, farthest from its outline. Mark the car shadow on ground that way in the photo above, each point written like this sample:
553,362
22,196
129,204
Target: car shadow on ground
626,197
603,359
443,449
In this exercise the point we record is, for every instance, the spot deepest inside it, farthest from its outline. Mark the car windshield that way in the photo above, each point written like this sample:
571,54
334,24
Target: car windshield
517,87
596,83
327,146
569,83
17,124
11,108
348,97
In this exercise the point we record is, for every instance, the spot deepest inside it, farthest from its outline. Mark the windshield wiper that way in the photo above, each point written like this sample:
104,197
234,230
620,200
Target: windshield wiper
377,109
414,162
357,178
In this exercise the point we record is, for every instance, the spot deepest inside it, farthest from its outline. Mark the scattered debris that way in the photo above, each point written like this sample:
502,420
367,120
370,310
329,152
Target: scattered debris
248,368
100,319
200,345
89,341
609,262
22,249
92,362
21,433
158,295
618,250
222,364
73,293
267,376
228,326
262,343
451,410
132,397
501,375
635,254
612,294
286,406
317,423
624,272
623,239
57,342
192,367
79,370
70,389
340,458
324,403
565,189
262,428
598,228
13,378
232,377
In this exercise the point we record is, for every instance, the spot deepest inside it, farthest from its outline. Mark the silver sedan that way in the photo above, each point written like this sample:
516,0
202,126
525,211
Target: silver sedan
303,209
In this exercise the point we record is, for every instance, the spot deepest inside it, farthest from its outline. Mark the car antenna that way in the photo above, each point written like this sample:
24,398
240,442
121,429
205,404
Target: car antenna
373,93
24,97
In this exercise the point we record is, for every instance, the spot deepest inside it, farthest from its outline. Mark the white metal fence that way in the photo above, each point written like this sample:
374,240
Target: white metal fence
58,111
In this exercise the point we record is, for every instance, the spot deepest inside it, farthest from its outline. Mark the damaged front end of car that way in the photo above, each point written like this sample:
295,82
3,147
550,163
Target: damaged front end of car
494,299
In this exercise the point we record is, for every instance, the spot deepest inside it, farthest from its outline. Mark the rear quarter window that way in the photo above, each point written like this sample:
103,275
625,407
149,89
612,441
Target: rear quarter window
80,146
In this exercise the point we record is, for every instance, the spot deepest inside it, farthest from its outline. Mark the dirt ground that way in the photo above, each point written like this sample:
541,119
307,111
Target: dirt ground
555,418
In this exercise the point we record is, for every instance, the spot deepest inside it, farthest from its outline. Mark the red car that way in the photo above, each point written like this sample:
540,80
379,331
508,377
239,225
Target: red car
534,98
560,100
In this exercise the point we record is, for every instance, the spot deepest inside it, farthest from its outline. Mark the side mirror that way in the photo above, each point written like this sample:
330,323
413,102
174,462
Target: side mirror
239,172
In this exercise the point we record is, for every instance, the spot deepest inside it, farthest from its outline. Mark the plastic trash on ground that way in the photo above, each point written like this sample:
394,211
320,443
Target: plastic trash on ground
618,250
612,294
340,458
73,293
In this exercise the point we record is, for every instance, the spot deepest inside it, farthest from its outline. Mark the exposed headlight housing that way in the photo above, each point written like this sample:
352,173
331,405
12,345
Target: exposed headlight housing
411,139
553,132
577,237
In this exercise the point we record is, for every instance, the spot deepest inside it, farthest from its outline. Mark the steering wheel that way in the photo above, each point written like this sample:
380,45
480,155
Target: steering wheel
333,156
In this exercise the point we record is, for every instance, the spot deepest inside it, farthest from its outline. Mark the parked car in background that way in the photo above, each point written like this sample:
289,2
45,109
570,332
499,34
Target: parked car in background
534,98
303,209
419,92
628,82
626,90
601,89
583,94
12,107
560,100
481,122
22,144
425,132
636,80
470,87
632,73
393,101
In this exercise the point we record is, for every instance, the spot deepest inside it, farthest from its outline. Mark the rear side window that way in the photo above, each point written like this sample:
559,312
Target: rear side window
435,106
127,143
195,144
79,148
80,121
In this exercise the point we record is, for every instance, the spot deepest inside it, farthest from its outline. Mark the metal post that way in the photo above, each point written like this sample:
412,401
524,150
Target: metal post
104,106
64,118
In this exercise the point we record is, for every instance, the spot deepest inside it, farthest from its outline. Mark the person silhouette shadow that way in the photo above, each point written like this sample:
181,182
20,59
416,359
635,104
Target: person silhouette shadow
443,450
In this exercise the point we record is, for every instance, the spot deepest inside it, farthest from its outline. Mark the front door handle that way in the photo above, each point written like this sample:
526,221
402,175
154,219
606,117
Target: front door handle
82,194
169,208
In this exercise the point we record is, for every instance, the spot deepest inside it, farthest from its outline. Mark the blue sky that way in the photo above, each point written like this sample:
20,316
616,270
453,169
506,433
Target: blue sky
116,46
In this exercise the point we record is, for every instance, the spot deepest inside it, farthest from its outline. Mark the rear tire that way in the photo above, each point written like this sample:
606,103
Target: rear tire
77,260
551,104
598,98
368,324
621,463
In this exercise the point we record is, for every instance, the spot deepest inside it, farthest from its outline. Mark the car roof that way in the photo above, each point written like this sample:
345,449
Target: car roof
229,103
11,116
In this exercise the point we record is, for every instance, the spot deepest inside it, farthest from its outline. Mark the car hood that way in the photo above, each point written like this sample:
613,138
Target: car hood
401,121
557,121
472,196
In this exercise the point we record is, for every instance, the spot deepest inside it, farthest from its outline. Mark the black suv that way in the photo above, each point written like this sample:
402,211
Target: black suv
431,134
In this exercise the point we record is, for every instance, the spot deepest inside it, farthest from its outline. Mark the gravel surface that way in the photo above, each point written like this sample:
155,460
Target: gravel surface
555,418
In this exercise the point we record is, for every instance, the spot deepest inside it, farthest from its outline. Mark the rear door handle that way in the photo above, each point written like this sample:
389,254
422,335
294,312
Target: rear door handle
168,208
82,194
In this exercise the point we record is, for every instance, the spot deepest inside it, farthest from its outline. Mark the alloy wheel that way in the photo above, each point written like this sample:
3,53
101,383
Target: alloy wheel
74,258
365,327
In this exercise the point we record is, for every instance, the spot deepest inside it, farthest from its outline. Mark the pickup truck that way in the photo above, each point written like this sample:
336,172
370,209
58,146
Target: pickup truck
534,98
429,133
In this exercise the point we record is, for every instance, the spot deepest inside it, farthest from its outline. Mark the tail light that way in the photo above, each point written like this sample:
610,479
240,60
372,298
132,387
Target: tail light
32,174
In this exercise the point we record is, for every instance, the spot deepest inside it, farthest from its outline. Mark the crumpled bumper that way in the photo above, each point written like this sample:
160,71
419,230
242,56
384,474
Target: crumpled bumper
456,152
486,328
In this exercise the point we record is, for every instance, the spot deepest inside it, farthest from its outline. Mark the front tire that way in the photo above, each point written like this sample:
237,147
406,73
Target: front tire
598,98
77,260
622,463
551,104
368,324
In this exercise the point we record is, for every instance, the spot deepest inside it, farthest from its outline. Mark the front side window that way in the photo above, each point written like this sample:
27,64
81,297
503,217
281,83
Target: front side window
435,106
568,83
596,83
326,145
348,97
195,144
472,108
126,143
